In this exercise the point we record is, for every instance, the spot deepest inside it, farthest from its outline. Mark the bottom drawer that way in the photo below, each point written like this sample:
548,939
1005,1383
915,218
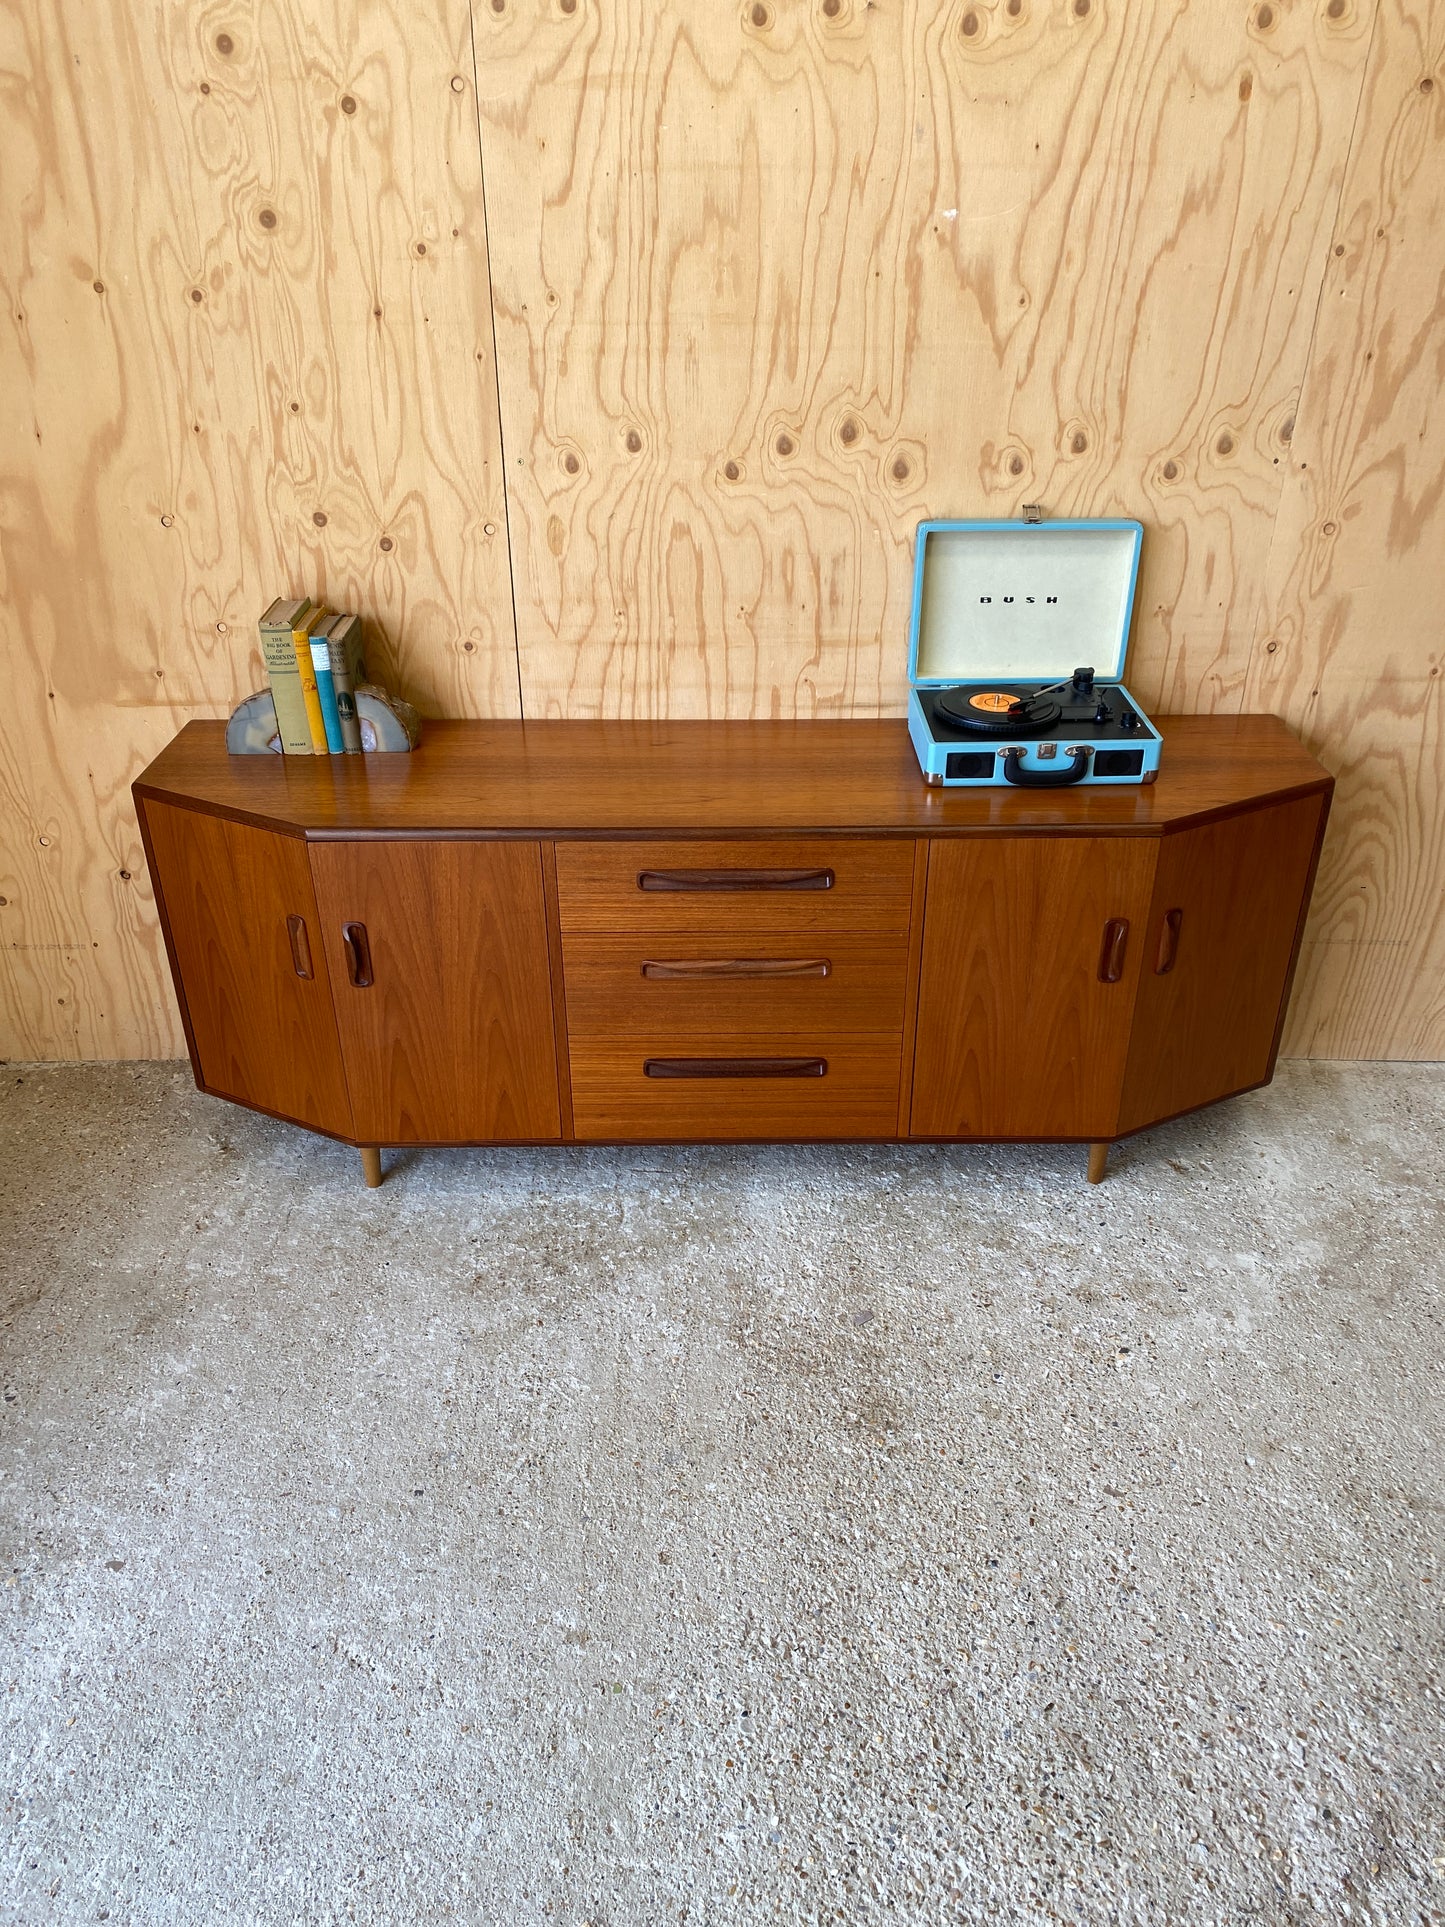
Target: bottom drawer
747,1086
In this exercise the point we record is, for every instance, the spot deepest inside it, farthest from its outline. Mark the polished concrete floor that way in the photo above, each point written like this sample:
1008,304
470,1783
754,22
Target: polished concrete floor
725,1536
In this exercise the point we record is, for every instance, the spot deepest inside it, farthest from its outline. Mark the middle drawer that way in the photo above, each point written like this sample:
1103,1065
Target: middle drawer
713,983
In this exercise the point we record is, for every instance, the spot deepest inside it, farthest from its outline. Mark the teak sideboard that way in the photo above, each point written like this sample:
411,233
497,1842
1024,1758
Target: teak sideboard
621,932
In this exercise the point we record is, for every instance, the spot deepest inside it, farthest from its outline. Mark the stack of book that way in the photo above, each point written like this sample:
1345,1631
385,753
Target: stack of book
314,663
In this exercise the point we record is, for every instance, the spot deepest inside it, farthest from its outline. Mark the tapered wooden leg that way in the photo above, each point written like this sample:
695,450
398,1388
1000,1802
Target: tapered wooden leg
371,1164
1098,1162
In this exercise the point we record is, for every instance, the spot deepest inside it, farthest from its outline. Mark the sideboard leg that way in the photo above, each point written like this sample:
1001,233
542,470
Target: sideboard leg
371,1164
1098,1162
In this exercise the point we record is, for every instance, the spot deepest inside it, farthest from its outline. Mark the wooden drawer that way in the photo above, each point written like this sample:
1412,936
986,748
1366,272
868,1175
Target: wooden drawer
797,884
613,1096
712,983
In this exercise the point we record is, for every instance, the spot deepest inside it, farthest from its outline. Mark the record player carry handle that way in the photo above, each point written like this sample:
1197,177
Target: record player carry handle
735,880
1040,779
355,943
714,967
1111,953
1168,942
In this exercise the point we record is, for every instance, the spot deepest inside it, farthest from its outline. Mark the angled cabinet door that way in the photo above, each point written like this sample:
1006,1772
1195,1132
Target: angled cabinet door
1031,955
438,953
1229,902
245,944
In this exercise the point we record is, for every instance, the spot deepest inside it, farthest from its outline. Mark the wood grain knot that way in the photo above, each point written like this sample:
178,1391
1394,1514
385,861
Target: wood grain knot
225,44
1427,86
319,519
832,8
1339,250
1081,7
760,16
386,543
348,104
569,6
421,247
970,24
634,442
196,294
571,463
1225,444
167,521
784,444
1246,87
848,432
295,407
1286,429
99,286
124,875
1335,9
1171,471
1078,442
267,217
731,470
1264,19
1015,464
469,646
459,86
1270,647
1014,8
902,469
1328,528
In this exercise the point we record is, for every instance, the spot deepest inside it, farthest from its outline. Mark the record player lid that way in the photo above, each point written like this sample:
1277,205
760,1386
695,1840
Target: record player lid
1020,601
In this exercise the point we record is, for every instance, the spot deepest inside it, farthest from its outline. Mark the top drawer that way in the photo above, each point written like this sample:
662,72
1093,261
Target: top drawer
809,883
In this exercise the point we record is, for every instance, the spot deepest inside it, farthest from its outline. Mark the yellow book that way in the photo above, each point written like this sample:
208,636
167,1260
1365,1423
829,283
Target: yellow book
305,669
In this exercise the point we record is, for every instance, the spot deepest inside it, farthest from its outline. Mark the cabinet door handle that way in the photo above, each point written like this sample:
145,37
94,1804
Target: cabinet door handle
678,880
357,945
1111,952
300,946
714,967
1168,942
735,1067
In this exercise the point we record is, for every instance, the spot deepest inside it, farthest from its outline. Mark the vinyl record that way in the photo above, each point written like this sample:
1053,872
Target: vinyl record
995,712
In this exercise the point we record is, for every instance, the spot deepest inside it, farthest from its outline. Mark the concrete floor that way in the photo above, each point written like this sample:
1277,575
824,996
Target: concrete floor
722,1536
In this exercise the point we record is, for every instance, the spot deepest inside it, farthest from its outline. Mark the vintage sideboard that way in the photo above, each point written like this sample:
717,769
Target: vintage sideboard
612,932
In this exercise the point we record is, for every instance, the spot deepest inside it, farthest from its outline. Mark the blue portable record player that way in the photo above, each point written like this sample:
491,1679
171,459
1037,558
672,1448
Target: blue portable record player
1016,651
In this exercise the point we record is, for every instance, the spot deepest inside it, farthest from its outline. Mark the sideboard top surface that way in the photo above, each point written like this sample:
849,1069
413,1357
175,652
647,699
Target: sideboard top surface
678,779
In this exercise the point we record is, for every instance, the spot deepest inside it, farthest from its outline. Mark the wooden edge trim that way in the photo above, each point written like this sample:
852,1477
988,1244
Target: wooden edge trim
561,1048
281,1117
205,806
165,923
912,986
1299,932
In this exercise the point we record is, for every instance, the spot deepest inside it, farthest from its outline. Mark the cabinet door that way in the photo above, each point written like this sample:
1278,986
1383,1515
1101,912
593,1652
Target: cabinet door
1216,956
245,945
438,952
1030,964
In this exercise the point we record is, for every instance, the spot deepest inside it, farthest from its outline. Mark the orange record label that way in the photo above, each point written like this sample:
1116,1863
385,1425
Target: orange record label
991,699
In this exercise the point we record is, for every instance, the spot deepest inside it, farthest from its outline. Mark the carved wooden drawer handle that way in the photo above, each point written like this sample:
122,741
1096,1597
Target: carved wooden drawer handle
1168,942
356,944
735,1067
715,967
1111,953
300,946
677,880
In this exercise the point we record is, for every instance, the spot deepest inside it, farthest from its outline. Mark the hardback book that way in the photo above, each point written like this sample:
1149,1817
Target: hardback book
325,690
348,673
277,628
306,670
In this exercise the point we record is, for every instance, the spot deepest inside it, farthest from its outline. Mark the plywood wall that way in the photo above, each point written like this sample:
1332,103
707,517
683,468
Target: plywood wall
606,353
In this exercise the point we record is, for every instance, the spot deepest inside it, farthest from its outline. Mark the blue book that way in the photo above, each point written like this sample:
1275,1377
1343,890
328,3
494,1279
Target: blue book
326,687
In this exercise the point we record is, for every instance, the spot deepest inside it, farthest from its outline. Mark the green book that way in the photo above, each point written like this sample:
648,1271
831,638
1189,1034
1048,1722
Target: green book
348,673
277,646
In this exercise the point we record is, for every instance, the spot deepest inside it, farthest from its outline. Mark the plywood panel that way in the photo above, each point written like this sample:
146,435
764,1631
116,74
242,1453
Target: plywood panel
775,281
246,350
1350,645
